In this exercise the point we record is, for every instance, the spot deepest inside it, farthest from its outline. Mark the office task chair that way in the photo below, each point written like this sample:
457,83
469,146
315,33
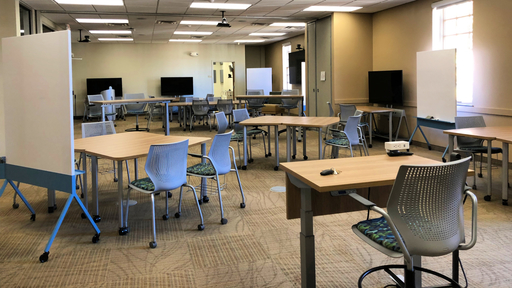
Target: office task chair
255,92
185,111
289,104
255,106
135,109
226,106
166,167
240,115
155,110
219,163
275,93
473,145
290,92
346,110
331,114
362,126
202,109
348,138
94,110
222,125
424,218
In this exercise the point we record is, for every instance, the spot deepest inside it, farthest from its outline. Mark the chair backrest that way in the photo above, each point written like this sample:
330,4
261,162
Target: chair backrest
222,122
425,205
255,92
290,103
358,113
351,129
225,105
200,107
135,107
256,103
219,153
209,97
331,111
346,111
166,165
98,129
469,122
275,93
94,109
290,92
240,115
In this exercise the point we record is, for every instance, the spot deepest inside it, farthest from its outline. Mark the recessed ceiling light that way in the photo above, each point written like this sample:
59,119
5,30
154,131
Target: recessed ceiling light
192,33
115,39
84,20
186,22
249,41
227,6
185,40
110,31
267,34
288,24
92,2
332,8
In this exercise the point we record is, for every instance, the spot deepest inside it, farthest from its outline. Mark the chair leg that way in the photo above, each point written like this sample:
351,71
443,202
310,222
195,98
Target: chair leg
480,175
153,244
242,205
474,169
127,207
222,219
166,215
200,226
250,149
177,215
264,145
351,152
128,172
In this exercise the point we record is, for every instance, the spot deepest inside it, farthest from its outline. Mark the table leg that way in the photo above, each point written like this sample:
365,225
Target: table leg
94,177
304,143
103,113
371,130
294,133
204,193
167,119
84,177
276,132
136,168
391,126
123,230
489,170
307,240
288,144
320,143
51,200
244,167
450,147
504,177
268,140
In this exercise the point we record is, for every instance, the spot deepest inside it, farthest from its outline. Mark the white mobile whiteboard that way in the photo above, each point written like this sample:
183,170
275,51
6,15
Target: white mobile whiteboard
260,78
436,84
38,102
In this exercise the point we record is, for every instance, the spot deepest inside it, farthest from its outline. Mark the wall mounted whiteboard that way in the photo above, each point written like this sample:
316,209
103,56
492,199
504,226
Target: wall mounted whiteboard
260,78
436,84
38,102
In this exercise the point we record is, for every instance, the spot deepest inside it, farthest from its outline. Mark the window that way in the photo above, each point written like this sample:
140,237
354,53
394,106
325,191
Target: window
453,28
25,20
287,48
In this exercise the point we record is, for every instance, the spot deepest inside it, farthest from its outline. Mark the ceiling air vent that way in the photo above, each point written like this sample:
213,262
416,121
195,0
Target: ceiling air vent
258,24
196,37
118,24
166,22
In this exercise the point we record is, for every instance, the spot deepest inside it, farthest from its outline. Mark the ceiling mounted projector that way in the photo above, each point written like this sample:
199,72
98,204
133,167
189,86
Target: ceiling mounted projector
86,38
224,22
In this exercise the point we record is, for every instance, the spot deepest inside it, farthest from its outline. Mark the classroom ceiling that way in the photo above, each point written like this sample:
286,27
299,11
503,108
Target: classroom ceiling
154,21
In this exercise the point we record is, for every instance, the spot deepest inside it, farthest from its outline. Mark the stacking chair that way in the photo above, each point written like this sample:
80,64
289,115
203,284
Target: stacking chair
331,114
136,109
202,109
473,145
346,110
219,163
94,110
166,166
240,115
155,110
347,138
424,218
226,106
222,125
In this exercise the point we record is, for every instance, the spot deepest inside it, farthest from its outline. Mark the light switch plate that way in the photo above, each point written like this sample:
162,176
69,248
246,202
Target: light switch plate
322,75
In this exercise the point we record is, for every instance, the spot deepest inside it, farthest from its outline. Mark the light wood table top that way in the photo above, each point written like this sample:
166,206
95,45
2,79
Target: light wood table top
125,146
485,133
355,172
214,102
266,96
374,109
268,120
133,101
291,121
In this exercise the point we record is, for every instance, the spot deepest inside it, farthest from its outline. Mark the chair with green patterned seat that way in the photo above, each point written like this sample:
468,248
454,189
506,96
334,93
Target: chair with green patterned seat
348,138
240,115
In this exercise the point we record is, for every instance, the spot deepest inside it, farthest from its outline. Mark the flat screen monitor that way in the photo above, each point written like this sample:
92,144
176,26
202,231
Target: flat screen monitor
96,85
295,65
385,87
174,86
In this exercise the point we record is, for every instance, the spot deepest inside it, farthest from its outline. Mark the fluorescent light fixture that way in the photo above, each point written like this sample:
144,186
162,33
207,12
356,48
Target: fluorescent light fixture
115,39
92,2
288,24
332,8
110,31
267,34
186,22
249,41
227,6
192,33
96,20
185,40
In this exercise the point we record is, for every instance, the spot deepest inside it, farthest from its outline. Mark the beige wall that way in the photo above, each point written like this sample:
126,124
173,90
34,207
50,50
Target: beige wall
274,59
254,56
351,57
142,65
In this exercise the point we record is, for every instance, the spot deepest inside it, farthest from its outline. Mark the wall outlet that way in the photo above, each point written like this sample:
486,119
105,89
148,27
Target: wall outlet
396,145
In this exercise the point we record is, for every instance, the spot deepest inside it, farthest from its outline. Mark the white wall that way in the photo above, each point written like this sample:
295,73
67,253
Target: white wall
142,65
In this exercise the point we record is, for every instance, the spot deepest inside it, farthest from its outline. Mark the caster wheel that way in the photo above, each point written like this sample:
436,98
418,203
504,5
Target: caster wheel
33,216
115,180
200,227
269,154
504,202
487,198
184,129
223,221
370,146
51,209
429,148
44,257
206,199
276,168
147,130
82,195
250,160
299,140
305,157
83,216
157,193
15,206
177,215
123,231
293,157
474,187
165,217
169,195
266,155
96,218
480,175
242,205
444,160
152,245
96,238
200,201
244,167
77,187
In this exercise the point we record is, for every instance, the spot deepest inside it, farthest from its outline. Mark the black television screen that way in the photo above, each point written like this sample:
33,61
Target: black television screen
96,85
174,86
295,65
385,87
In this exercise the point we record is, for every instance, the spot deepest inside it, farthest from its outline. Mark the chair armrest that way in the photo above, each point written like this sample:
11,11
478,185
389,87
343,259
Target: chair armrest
362,200
474,203
197,155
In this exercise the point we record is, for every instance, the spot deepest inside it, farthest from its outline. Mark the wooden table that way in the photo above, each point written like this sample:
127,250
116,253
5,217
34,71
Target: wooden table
105,103
184,106
247,97
371,110
121,147
307,189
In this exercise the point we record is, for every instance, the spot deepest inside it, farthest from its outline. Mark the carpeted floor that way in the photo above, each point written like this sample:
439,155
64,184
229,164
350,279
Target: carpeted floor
258,247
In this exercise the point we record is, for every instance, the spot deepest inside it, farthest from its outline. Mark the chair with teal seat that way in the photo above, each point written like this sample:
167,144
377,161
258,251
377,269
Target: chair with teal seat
218,163
166,166
425,217
348,138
